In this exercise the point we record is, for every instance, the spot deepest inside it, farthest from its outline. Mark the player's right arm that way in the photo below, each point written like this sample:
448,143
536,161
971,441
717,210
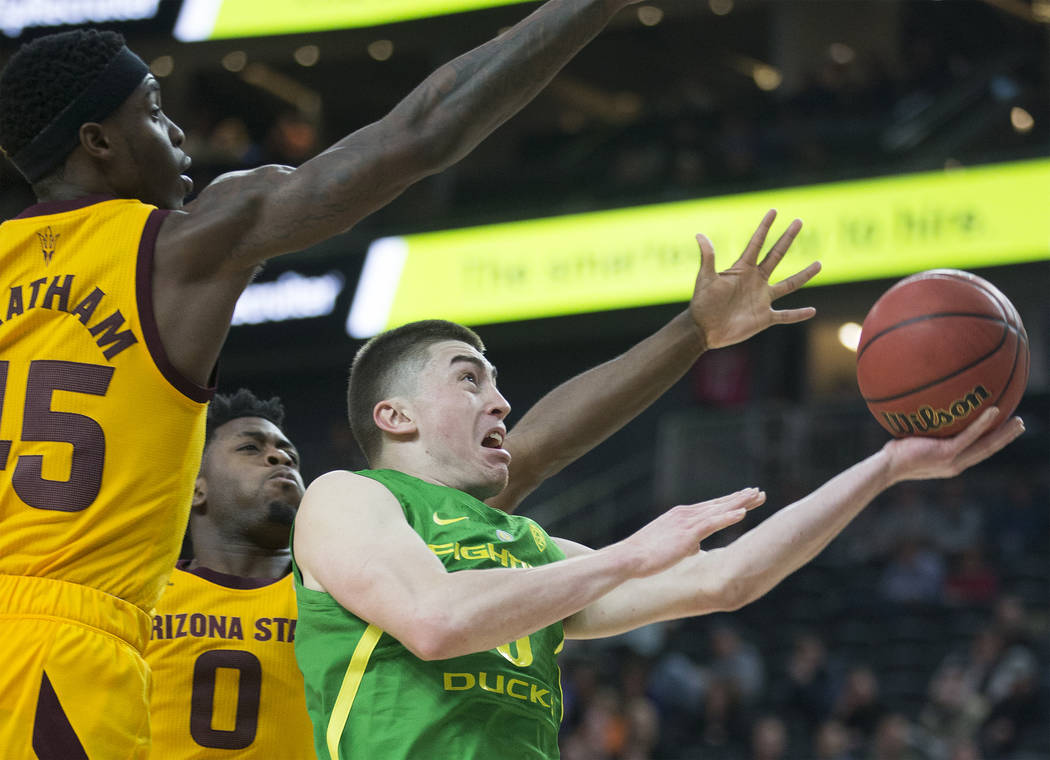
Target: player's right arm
730,577
352,541
433,127
208,252
727,307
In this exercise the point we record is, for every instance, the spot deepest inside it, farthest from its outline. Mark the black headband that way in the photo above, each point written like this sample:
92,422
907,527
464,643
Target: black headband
102,97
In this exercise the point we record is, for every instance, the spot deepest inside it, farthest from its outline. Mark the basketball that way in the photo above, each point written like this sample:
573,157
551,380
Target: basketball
937,349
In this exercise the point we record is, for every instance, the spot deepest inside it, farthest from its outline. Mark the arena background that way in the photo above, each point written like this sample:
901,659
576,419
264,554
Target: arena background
924,631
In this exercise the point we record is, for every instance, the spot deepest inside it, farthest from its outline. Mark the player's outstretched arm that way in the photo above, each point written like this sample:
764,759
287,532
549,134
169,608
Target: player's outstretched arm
248,217
206,254
735,575
353,542
726,307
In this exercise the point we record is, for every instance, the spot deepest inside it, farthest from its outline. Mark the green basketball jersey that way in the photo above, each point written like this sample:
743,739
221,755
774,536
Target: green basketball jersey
370,698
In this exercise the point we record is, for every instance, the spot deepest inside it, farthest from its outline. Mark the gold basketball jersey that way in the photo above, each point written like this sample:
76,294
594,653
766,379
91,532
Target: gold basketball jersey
100,437
224,671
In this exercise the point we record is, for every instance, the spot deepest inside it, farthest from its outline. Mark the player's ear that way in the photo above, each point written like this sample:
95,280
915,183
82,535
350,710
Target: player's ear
94,141
394,416
200,493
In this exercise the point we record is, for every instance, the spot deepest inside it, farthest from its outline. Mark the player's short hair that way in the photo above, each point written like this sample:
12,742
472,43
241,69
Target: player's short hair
393,357
241,403
76,76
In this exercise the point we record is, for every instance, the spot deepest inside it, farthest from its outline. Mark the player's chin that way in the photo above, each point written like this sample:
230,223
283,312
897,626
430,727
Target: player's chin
176,201
282,512
175,198
496,479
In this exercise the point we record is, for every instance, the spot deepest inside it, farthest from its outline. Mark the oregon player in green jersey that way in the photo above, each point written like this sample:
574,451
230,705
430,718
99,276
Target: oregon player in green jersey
397,623
410,707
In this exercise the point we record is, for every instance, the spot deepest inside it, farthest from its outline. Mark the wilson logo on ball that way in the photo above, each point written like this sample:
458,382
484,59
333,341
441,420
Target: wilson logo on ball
927,418
937,349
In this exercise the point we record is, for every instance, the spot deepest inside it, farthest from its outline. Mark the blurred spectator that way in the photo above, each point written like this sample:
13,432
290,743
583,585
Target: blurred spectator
1004,673
1017,624
832,742
640,715
972,580
724,725
603,721
858,705
1021,523
736,662
768,739
1019,711
979,658
960,524
580,683
1013,672
806,691
914,574
894,740
602,731
905,516
292,139
676,681
966,750
954,710
677,686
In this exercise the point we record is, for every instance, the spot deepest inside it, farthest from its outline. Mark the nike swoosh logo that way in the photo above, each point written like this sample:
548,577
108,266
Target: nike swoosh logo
449,521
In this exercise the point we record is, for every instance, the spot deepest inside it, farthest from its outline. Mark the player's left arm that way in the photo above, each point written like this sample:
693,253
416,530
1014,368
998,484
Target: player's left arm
726,307
728,578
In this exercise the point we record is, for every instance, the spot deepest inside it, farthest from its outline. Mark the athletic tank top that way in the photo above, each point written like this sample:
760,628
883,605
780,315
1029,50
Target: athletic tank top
369,697
224,672
100,437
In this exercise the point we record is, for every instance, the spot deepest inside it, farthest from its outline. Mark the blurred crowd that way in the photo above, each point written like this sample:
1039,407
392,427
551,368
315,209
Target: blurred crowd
687,138
923,633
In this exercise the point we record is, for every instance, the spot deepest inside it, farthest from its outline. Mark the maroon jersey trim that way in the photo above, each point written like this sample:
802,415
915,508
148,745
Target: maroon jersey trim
224,579
144,289
59,207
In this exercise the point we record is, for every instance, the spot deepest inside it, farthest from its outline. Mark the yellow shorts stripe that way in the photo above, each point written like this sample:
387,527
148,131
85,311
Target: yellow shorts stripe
26,597
355,671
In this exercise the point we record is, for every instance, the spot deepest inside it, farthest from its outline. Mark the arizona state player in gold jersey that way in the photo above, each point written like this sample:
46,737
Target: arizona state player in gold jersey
118,299
221,646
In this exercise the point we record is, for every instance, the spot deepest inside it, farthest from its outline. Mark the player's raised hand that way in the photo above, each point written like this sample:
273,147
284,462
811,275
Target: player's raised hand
677,533
923,458
731,306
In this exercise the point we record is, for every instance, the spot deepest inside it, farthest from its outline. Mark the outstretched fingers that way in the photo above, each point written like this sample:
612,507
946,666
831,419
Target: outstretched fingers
749,498
795,281
976,429
716,514
980,444
920,458
790,285
707,256
754,246
776,253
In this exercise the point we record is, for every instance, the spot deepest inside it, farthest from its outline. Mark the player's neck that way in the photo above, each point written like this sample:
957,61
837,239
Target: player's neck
242,561
417,463
73,182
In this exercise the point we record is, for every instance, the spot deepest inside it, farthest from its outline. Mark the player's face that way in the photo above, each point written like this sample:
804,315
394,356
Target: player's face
150,164
461,420
251,482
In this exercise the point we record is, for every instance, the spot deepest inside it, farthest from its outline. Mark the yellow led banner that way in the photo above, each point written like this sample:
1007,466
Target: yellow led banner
222,19
963,218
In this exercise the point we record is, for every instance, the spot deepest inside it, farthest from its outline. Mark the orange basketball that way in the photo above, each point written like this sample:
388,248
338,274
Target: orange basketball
937,349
